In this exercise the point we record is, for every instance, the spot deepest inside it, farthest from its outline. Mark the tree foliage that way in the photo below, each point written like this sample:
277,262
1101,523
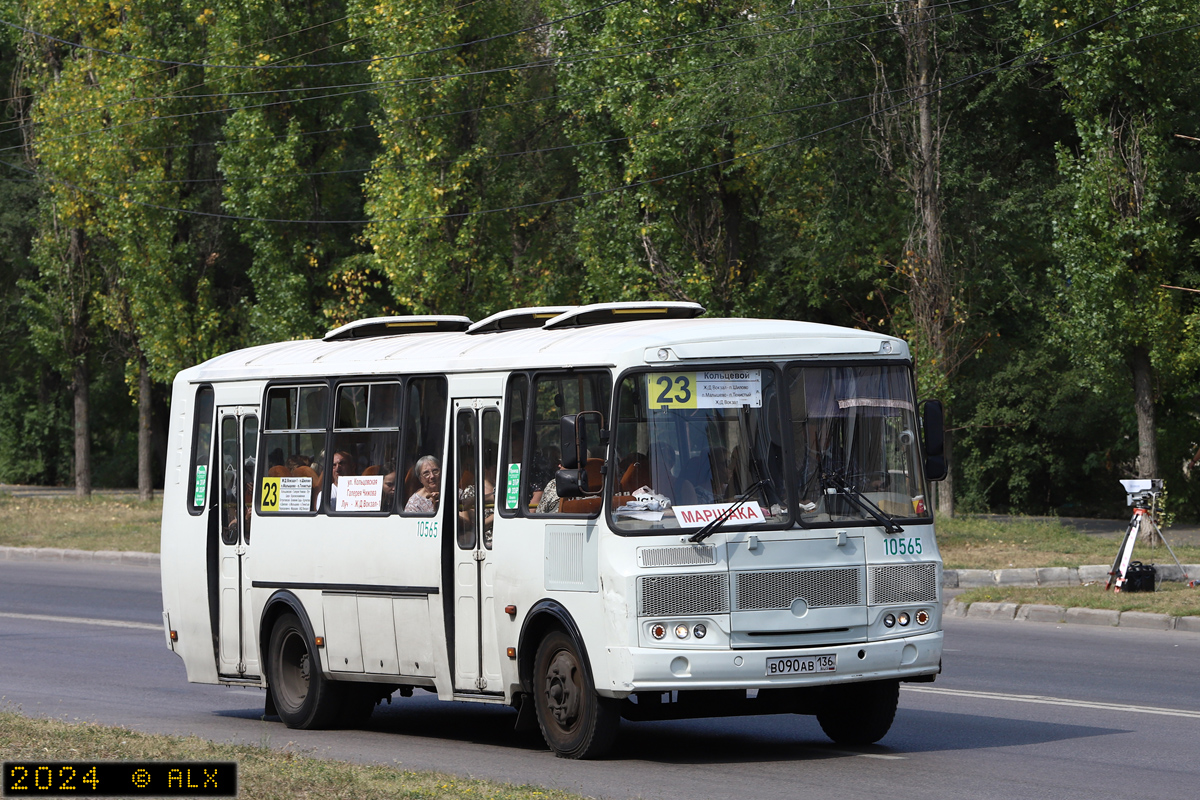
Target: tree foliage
1008,186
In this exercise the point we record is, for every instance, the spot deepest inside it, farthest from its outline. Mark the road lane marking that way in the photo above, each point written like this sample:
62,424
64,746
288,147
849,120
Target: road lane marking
111,623
1056,701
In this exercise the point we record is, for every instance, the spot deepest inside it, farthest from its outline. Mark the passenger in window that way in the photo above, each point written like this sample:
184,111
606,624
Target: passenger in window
389,487
425,499
540,472
550,501
343,466
298,460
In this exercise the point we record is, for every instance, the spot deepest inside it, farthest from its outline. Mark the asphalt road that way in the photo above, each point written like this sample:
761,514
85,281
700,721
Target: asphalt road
1022,710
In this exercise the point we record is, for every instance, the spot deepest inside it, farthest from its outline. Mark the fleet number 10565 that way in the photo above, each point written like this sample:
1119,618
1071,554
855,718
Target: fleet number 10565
902,546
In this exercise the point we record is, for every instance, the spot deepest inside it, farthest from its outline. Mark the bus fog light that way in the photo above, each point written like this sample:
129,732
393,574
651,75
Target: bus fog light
681,631
658,631
889,621
700,631
922,617
903,619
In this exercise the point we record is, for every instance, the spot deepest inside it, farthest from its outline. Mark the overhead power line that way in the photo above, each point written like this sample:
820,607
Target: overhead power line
427,79
631,49
265,67
1019,61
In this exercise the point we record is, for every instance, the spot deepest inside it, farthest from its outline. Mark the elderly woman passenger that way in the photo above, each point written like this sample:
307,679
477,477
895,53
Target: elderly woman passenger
425,499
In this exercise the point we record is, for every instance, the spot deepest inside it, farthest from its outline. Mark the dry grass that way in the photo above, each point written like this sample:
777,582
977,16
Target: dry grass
1176,599
99,523
263,774
973,543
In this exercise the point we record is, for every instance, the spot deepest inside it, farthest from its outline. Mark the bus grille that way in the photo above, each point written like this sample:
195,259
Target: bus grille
703,593
904,583
819,588
693,555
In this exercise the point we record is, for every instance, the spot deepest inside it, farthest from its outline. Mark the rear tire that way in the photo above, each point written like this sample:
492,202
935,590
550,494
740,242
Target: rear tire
575,721
303,696
859,713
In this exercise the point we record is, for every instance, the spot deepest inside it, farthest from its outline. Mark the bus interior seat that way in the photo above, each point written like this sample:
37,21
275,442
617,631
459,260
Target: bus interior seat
636,475
579,505
595,475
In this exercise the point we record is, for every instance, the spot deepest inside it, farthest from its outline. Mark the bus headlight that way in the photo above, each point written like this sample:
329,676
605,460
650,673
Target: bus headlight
903,619
658,631
922,617
700,631
681,631
889,621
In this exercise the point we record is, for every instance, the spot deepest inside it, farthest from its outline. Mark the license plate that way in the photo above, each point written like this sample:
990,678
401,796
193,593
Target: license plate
801,665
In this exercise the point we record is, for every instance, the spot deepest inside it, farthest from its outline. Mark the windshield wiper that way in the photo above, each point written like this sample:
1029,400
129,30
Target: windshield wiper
711,528
835,483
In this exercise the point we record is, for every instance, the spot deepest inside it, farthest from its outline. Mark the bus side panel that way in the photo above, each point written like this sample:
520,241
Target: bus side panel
185,537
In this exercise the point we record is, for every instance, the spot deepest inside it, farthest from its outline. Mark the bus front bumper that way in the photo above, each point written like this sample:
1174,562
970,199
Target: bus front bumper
638,669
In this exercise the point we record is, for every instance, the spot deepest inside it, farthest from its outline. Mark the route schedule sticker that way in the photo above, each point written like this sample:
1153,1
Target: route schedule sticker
201,485
512,494
120,779
730,388
286,494
360,493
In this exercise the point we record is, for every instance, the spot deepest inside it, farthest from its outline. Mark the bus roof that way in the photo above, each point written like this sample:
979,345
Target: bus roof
669,343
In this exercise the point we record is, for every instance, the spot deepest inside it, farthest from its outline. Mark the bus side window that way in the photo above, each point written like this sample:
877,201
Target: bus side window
201,453
365,444
419,475
516,404
293,442
555,395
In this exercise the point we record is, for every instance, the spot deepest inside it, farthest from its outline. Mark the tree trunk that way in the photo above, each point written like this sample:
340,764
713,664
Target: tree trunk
1143,403
145,450
945,488
932,286
83,433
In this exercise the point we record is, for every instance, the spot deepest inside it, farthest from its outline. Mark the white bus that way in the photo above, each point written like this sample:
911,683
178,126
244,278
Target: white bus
587,513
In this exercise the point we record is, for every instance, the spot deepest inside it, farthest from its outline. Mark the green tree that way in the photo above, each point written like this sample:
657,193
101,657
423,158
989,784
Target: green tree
1120,220
453,146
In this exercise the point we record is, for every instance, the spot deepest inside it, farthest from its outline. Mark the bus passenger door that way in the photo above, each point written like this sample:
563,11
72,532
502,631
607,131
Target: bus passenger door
473,483
237,652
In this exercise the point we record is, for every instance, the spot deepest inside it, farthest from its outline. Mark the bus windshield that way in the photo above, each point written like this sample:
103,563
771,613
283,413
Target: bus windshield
854,444
689,443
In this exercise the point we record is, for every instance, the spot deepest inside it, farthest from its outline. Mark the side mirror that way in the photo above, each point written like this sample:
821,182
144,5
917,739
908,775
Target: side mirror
933,424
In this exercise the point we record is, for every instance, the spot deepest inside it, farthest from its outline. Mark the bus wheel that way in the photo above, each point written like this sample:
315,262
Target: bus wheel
859,713
303,696
575,721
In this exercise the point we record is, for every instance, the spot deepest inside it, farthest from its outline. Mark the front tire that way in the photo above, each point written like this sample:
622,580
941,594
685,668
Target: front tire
859,713
303,696
575,721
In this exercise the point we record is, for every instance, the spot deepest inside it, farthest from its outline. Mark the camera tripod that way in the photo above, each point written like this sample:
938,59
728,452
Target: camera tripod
1143,507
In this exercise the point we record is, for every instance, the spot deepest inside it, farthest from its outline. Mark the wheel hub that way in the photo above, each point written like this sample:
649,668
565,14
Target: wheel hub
562,694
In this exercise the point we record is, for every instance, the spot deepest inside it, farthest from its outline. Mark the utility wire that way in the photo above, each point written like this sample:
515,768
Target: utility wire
384,84
248,46
248,67
632,49
1007,64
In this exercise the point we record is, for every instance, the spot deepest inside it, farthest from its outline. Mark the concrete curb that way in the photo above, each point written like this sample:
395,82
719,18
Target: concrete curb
1049,576
126,558
1075,616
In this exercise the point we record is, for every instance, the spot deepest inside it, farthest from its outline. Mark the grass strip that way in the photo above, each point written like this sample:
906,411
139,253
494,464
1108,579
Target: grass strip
113,523
263,773
1175,599
978,543
97,523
